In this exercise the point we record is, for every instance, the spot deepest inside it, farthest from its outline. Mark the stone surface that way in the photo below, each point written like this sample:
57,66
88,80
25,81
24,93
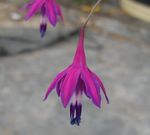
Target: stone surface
114,22
123,66
24,39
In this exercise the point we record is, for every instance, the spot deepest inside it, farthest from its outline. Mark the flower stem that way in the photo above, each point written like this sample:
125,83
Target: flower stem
92,11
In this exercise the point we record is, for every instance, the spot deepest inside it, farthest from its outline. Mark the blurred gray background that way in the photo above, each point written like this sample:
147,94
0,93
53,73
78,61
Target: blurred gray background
117,48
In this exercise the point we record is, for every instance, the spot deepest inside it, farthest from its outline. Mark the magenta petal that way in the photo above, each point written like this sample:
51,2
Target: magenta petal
27,5
101,84
92,89
85,87
54,82
59,86
34,8
97,85
51,12
69,86
58,11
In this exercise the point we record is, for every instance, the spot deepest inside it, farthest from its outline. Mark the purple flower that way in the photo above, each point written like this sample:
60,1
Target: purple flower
76,80
50,11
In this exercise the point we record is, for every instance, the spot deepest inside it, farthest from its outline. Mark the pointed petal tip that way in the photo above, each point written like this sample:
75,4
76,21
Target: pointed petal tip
101,85
47,94
64,104
52,21
45,97
97,101
27,17
53,24
107,100
97,104
106,97
63,101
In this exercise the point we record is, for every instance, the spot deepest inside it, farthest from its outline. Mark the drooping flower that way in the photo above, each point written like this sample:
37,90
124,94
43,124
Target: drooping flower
76,80
50,11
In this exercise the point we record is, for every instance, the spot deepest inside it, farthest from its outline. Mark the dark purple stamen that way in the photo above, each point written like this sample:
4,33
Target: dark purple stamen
78,113
72,111
43,28
43,25
77,108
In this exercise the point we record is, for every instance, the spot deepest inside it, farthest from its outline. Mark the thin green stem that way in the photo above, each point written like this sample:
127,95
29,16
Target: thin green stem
92,11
